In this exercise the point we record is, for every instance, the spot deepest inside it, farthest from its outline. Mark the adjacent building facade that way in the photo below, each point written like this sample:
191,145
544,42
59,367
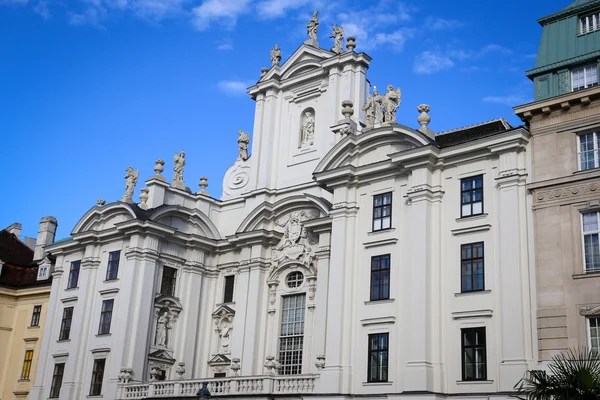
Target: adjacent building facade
25,284
564,121
348,255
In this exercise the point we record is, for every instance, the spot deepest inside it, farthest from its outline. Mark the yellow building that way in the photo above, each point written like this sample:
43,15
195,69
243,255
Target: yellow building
24,294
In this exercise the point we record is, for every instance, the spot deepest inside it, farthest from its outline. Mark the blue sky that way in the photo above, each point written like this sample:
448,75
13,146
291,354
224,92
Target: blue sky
89,87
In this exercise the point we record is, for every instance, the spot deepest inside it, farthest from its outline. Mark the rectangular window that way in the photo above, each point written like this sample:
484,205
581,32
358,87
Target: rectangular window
474,364
584,77
74,274
591,246
382,211
380,277
589,151
291,340
594,333
113,265
57,378
105,317
168,281
471,265
471,196
97,376
35,317
65,326
589,23
228,289
378,357
27,364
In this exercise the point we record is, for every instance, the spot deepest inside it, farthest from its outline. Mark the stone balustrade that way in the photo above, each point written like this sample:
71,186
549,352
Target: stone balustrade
230,386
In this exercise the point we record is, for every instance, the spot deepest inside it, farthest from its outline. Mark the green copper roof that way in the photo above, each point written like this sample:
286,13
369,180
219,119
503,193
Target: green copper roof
576,7
578,3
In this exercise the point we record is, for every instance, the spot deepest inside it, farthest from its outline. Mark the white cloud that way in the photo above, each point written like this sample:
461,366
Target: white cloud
156,10
494,48
225,12
510,100
13,2
92,16
278,8
395,39
41,8
225,46
439,24
233,87
429,62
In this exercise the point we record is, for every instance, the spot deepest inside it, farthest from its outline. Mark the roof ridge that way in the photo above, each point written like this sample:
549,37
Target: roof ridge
504,123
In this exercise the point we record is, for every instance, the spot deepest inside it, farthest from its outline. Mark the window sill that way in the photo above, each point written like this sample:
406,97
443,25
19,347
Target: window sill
71,289
374,302
471,217
472,292
33,327
93,396
111,280
103,334
474,382
381,231
24,380
588,275
63,340
388,383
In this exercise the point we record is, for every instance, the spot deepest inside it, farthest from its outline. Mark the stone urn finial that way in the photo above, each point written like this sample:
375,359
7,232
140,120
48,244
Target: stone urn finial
235,366
180,370
347,109
159,168
351,43
203,185
100,202
144,196
423,119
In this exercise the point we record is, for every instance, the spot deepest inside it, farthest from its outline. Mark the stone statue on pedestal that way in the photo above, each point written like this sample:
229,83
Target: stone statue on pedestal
338,37
275,55
391,102
163,326
312,27
308,129
131,178
179,164
243,141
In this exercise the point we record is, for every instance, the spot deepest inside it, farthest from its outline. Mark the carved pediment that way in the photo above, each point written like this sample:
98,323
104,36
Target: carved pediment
219,360
161,357
223,311
590,311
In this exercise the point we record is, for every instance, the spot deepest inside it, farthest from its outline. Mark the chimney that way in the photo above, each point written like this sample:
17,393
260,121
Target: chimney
45,236
15,229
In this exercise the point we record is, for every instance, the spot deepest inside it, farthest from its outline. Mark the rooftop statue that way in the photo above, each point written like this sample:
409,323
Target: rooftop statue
179,161
381,109
275,55
338,38
243,141
313,26
131,178
391,102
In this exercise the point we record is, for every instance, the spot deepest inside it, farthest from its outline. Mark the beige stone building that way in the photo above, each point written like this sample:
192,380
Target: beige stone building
564,121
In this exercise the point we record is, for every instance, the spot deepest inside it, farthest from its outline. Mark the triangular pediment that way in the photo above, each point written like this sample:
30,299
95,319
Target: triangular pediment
304,59
219,359
222,311
161,355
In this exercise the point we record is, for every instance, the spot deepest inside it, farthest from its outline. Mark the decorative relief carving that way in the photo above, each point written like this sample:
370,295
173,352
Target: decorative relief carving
589,310
223,320
236,177
545,196
564,82
125,375
296,243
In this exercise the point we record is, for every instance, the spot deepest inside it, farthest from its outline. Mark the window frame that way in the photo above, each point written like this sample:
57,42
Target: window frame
588,323
595,151
380,367
228,289
74,272
113,264
589,233
54,388
472,260
382,207
379,272
65,331
97,376
171,281
104,325
594,27
36,315
27,362
477,330
472,190
583,68
294,339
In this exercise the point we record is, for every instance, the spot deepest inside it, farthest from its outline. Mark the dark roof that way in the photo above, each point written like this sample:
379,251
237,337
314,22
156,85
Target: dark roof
473,132
18,270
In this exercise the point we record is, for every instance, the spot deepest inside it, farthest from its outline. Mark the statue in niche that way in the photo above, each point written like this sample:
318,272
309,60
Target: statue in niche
163,328
179,161
391,102
225,331
275,55
312,27
307,133
131,178
243,141
338,37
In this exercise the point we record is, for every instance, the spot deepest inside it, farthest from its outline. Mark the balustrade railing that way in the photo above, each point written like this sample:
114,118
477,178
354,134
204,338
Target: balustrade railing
231,386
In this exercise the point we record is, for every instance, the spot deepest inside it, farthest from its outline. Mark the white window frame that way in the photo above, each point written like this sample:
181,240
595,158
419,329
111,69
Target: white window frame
583,234
586,85
283,337
589,23
589,330
596,138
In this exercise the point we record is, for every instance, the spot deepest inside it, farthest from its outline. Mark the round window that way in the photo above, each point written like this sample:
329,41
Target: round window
295,279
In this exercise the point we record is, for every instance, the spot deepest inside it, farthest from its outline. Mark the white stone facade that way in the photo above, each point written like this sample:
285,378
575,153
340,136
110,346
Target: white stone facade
304,206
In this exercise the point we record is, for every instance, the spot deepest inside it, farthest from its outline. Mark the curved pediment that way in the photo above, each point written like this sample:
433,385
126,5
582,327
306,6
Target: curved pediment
190,221
371,147
266,213
100,218
305,59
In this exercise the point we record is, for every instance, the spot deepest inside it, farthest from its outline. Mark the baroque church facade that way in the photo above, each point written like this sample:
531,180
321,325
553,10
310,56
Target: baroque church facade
348,255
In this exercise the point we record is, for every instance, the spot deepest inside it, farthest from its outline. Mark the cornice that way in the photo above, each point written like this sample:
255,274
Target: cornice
531,73
557,106
568,12
558,195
